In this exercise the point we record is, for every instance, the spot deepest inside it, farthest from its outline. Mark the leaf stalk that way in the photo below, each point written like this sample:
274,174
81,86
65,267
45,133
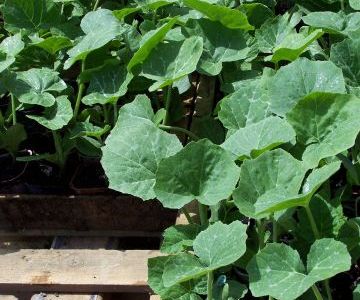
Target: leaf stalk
210,280
13,109
181,130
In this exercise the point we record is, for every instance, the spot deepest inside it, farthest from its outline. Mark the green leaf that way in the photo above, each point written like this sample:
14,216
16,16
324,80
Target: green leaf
253,140
327,258
36,86
221,44
9,48
347,57
88,129
303,77
195,173
31,15
179,237
326,124
231,18
149,44
221,244
273,201
217,246
54,44
183,291
12,137
136,164
273,32
293,46
100,27
274,172
349,234
171,61
278,271
246,106
56,116
107,84
355,4
335,23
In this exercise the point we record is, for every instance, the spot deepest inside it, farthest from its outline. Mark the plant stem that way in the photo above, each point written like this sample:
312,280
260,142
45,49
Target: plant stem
180,129
96,5
312,222
81,89
274,227
58,149
317,236
115,112
317,293
261,233
167,95
210,280
187,215
13,109
342,4
203,213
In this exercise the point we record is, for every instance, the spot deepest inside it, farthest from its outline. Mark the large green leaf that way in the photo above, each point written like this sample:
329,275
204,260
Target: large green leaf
149,44
134,150
56,116
9,48
275,172
54,44
356,293
355,4
293,46
303,77
100,27
36,86
12,137
257,138
217,246
278,271
335,23
107,84
273,201
202,171
346,55
273,32
181,291
221,44
231,18
221,244
179,237
246,106
32,15
326,124
171,61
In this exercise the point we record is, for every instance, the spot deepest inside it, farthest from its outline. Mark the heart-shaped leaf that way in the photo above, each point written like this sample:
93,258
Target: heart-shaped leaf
171,61
194,173
326,124
138,146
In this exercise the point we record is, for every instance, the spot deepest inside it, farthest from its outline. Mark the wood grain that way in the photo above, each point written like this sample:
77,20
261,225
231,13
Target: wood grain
75,271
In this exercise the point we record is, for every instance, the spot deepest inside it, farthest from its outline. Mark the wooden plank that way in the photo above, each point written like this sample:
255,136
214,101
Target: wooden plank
83,213
76,271
43,296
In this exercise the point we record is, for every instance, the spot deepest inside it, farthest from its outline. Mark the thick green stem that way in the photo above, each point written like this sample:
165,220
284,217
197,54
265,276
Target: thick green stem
274,227
13,109
261,233
210,281
187,215
181,130
81,89
96,5
203,213
167,95
317,236
342,3
312,222
59,150
115,113
317,293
